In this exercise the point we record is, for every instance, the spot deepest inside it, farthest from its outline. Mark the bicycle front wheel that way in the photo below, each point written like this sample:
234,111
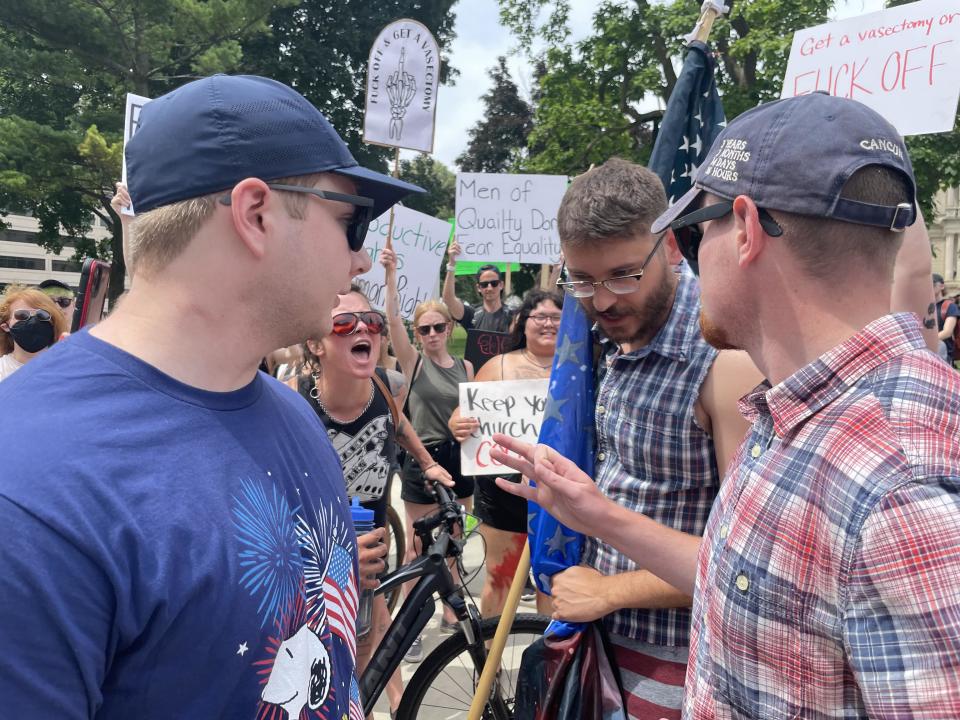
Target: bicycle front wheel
444,684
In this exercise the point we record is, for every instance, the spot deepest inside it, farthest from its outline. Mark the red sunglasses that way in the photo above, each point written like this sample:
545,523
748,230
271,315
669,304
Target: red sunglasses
347,323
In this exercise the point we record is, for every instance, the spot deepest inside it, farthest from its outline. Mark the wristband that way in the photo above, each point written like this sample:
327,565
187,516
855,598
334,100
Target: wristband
451,268
430,466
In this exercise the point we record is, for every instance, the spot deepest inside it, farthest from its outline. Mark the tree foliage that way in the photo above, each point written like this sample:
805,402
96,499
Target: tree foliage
605,95
499,139
438,181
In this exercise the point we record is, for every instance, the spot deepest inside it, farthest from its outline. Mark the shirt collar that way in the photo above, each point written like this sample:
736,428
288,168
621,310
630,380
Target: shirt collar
822,381
678,333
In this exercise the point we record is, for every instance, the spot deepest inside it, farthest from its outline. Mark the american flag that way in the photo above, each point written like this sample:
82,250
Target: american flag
692,121
340,597
356,707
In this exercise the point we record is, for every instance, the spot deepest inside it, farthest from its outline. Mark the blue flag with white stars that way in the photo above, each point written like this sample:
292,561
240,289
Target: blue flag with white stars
567,428
693,119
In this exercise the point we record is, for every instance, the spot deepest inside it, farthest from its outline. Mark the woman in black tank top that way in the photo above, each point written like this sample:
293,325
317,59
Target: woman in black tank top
356,402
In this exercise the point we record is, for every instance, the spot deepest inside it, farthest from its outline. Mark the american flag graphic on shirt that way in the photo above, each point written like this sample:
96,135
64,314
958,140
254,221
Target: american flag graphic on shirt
340,596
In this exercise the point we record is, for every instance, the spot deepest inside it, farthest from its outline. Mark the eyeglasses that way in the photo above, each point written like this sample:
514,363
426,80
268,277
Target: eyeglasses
686,228
347,323
544,319
488,283
63,302
362,210
21,315
620,285
438,328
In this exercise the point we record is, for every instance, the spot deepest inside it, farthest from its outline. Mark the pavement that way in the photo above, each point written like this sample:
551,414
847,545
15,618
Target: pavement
432,636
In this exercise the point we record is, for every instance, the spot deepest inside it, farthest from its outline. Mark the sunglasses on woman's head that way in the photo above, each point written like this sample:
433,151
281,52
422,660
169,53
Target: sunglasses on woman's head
438,328
488,283
347,323
21,315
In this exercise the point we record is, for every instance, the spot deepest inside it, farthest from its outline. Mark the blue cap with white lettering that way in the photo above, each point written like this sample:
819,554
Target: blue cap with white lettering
796,155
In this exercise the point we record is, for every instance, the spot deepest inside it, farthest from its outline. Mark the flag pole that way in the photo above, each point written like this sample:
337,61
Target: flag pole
492,664
396,174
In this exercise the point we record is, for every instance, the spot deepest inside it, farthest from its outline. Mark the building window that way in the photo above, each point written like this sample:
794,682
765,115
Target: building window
21,263
66,266
17,236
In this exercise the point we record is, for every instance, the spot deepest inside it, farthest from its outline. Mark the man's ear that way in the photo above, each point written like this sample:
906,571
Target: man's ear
750,238
673,250
253,208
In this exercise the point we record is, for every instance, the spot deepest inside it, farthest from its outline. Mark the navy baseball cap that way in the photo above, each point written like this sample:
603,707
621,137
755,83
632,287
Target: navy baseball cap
210,134
796,155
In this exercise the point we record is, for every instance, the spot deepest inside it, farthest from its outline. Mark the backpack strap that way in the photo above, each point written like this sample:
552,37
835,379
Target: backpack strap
388,396
413,379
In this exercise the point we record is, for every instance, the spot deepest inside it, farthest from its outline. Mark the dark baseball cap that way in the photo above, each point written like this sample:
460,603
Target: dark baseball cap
937,279
796,155
53,284
210,134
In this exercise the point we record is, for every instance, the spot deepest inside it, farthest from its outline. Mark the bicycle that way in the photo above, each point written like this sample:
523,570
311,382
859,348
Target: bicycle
397,539
449,674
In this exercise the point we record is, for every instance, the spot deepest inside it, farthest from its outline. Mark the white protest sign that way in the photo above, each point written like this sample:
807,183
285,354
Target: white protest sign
903,62
419,241
509,217
510,407
403,73
131,121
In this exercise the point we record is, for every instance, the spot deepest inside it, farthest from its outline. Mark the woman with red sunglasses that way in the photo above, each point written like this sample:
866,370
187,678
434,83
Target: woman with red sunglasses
29,324
349,393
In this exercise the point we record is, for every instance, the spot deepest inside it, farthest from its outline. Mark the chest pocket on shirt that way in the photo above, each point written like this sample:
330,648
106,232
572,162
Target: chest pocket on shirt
756,644
655,447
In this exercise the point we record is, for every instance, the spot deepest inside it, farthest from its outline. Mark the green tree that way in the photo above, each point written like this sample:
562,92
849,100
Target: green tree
499,139
321,48
65,69
438,181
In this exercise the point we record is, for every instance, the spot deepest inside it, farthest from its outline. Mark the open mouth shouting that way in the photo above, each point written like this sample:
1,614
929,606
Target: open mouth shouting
361,349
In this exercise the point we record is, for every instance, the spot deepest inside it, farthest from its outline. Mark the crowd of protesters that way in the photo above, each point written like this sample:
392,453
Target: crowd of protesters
773,525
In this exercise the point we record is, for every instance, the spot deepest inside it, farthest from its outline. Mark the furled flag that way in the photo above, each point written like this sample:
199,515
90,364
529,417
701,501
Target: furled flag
340,596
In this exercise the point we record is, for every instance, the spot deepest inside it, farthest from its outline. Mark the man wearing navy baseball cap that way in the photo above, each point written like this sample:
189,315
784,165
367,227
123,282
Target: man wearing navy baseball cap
825,582
189,551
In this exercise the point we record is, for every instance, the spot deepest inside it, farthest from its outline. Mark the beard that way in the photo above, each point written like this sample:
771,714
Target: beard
649,318
715,335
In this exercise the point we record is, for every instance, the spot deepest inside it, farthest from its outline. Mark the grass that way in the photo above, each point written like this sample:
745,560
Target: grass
458,341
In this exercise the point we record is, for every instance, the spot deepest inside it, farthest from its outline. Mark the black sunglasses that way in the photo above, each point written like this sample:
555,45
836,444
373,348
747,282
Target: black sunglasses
438,328
21,315
362,210
61,301
347,323
686,228
488,283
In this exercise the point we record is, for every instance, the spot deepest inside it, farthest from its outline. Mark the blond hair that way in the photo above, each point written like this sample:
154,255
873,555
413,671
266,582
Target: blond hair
158,236
431,306
36,299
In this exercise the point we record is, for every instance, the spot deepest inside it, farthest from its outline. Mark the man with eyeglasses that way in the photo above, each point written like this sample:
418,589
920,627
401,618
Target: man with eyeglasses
666,418
494,316
189,551
825,583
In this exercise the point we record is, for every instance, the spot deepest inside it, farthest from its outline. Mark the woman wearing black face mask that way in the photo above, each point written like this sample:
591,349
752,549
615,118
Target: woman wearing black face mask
29,324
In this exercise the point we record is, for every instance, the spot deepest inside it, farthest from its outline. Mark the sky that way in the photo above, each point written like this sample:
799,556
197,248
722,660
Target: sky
481,39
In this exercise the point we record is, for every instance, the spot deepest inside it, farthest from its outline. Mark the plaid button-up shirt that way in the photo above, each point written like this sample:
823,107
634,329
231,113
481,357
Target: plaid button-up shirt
652,455
828,583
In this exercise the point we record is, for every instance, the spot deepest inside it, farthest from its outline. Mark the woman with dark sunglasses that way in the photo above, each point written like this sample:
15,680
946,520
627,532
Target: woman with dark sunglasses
349,393
434,377
533,341
29,324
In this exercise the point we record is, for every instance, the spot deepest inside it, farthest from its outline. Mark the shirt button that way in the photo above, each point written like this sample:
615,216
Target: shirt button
743,582
601,457
724,531
601,409
755,451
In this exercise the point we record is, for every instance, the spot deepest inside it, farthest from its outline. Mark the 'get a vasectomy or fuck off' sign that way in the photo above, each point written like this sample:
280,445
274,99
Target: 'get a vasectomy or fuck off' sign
510,407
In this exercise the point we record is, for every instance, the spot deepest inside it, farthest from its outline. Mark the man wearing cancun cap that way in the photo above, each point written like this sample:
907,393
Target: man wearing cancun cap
189,552
825,584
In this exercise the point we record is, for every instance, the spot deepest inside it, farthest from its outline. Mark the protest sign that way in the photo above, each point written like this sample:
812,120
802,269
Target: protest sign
903,62
403,73
420,242
509,217
511,407
131,121
483,345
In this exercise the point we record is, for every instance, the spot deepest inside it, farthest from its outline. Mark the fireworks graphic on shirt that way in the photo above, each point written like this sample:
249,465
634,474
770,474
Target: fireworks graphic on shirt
270,553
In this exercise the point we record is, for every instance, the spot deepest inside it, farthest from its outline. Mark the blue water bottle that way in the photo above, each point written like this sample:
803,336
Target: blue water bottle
362,524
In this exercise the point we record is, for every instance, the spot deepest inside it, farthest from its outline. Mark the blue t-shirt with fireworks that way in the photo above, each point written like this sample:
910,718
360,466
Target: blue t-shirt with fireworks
169,552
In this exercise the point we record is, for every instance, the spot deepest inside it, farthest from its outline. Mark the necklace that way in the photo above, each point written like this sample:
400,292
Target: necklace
530,360
315,394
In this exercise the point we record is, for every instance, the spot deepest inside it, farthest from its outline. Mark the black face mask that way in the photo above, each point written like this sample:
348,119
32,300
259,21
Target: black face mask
33,335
